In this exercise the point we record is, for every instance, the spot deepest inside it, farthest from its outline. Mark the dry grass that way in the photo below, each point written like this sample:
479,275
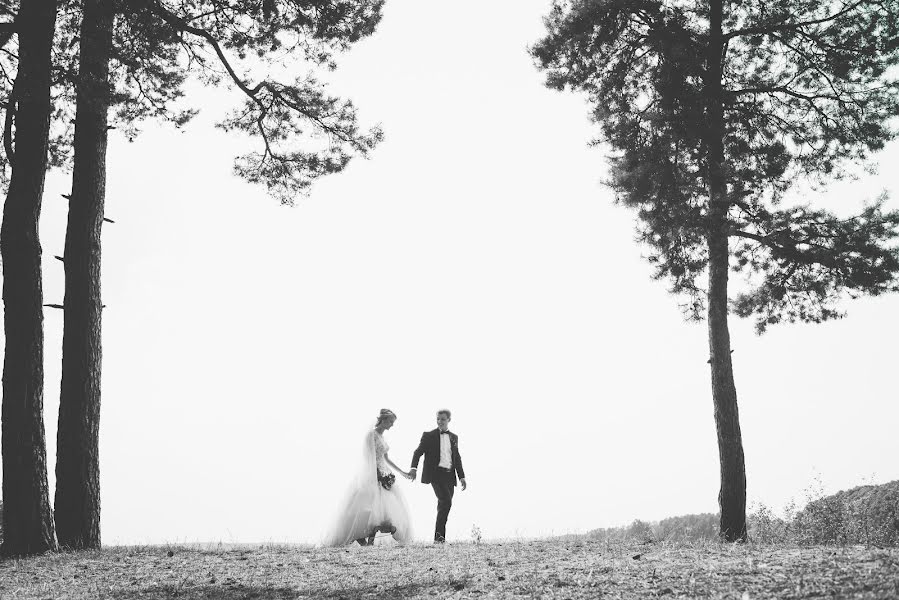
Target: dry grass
522,569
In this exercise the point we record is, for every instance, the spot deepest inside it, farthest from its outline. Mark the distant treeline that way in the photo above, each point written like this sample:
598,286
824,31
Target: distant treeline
703,526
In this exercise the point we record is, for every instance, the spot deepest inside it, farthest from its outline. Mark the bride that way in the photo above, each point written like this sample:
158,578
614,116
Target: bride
373,503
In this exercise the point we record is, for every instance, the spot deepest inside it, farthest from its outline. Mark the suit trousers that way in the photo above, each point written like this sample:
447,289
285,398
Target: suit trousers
444,487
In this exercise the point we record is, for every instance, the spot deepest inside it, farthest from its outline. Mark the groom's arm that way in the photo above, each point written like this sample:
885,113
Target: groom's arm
457,462
416,456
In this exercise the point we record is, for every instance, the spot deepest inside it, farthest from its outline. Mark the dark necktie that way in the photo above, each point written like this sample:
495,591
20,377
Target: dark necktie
444,432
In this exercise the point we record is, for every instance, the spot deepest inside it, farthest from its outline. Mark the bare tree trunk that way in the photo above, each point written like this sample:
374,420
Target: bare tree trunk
27,516
77,462
732,495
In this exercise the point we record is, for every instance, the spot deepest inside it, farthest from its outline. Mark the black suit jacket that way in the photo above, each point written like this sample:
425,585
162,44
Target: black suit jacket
430,447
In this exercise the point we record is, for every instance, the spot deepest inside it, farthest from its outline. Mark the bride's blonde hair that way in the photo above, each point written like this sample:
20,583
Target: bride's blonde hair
385,414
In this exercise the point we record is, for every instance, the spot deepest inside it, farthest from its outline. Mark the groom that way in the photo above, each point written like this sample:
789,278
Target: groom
442,464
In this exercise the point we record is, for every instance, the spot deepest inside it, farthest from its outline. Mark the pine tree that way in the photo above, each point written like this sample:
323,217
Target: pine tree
77,502
713,109
27,517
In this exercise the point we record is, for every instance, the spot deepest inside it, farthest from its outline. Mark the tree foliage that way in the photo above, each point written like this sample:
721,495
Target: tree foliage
807,91
300,131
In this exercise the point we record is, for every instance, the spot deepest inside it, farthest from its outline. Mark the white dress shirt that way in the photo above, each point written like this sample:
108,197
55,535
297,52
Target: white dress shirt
446,455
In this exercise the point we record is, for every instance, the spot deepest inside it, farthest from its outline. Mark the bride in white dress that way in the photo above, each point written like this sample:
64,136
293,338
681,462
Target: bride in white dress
374,502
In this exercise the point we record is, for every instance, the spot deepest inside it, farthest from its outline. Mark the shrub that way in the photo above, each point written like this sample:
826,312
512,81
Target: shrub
868,514
765,527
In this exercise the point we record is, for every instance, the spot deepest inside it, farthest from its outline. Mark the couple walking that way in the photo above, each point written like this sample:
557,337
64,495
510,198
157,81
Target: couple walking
375,504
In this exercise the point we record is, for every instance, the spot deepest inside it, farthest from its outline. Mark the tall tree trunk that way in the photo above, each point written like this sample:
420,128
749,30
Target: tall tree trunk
77,462
732,495
27,516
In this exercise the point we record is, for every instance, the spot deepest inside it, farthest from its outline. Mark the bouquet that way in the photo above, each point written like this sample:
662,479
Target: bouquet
386,480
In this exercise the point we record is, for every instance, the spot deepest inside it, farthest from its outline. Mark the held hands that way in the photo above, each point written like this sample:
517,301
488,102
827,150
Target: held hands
412,473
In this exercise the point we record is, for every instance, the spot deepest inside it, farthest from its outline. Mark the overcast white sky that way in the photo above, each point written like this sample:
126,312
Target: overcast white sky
475,262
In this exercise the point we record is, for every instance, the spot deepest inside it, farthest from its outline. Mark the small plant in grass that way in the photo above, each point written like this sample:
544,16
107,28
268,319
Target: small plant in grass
476,534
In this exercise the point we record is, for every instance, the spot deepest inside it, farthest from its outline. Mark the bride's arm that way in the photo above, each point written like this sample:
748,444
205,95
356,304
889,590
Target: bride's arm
396,468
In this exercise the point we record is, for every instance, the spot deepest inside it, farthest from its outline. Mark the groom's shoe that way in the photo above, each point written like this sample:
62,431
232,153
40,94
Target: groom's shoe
439,539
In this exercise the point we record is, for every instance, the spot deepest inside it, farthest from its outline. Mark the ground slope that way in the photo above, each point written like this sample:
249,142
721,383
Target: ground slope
510,569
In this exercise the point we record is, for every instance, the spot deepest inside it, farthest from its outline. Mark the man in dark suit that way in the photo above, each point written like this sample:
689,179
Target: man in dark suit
442,463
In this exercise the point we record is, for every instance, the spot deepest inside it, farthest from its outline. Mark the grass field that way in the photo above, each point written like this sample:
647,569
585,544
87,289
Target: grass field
508,569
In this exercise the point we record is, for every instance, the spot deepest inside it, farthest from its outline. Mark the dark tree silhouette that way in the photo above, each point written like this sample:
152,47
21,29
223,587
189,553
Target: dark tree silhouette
77,476
27,517
712,110
77,504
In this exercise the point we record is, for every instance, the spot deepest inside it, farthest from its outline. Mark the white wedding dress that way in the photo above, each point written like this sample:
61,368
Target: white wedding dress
367,505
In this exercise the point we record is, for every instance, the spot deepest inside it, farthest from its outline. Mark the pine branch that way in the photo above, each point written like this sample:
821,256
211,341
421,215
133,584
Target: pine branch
774,28
273,113
790,250
183,25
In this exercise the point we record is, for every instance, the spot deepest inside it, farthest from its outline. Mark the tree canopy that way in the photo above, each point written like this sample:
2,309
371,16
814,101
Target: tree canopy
300,132
807,89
